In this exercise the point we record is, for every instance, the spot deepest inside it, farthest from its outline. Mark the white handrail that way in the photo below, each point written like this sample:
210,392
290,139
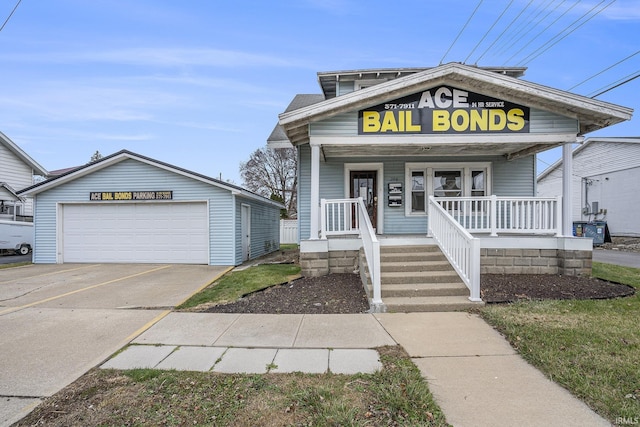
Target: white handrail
458,245
371,247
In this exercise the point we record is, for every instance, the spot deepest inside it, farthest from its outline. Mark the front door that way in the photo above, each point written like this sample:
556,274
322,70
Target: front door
363,184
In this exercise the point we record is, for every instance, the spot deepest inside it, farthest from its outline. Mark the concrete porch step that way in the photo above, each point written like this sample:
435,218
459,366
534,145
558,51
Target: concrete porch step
414,266
424,290
403,277
430,304
413,257
408,249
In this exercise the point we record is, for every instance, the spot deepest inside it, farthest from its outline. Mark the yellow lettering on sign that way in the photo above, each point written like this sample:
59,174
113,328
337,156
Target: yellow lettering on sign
370,121
460,120
441,121
479,120
410,127
497,119
123,195
515,117
107,196
389,122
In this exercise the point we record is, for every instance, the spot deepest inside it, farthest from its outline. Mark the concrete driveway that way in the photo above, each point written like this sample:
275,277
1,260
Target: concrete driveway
59,321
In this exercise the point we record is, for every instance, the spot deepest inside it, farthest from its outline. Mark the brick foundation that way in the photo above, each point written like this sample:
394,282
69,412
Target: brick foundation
535,261
314,264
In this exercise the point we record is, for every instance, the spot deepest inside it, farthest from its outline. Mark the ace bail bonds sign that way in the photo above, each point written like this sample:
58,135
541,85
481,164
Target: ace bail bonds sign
444,110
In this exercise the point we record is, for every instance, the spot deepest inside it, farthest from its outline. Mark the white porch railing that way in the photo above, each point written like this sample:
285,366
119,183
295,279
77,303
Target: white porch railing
495,215
349,216
458,245
339,217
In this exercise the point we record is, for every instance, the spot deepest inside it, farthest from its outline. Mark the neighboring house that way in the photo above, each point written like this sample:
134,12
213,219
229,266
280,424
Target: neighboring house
128,208
17,171
605,171
394,159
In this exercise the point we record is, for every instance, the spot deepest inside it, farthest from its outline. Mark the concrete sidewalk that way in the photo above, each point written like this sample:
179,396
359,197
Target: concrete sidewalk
474,374
258,343
478,379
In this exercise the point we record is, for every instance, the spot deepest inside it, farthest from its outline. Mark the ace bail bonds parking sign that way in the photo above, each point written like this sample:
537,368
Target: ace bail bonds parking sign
444,110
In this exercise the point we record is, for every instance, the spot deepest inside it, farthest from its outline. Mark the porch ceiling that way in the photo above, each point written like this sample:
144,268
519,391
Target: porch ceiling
437,146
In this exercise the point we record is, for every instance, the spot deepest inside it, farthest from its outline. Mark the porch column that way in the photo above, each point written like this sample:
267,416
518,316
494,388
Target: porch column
315,192
567,171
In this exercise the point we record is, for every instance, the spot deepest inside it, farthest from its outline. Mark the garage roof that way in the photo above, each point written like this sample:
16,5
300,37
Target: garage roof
125,155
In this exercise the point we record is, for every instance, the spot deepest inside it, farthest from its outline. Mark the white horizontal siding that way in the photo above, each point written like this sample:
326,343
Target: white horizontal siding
613,169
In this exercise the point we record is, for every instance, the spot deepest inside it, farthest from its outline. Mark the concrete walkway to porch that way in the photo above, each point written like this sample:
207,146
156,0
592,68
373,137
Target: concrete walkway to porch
478,379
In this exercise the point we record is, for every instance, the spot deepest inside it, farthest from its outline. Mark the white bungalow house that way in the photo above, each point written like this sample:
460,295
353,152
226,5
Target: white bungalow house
422,179
17,171
604,171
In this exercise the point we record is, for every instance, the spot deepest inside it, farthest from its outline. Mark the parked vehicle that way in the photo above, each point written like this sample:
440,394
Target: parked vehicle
16,236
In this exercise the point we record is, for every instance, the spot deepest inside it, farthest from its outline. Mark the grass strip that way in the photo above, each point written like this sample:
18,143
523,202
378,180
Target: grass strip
395,395
236,284
590,347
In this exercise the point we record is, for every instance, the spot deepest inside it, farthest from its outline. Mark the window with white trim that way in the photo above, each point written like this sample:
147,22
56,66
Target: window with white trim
444,180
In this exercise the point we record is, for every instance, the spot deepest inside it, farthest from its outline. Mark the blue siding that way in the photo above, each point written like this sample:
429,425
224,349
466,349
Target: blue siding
265,228
132,175
509,178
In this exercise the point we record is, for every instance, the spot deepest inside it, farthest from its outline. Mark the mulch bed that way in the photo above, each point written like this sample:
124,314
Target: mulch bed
509,288
343,293
332,294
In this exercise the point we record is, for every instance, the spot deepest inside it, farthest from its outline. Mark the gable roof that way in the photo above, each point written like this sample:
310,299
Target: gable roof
8,193
122,155
39,170
577,150
590,113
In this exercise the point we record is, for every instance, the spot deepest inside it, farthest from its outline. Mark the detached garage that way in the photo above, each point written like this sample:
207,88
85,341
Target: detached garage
127,208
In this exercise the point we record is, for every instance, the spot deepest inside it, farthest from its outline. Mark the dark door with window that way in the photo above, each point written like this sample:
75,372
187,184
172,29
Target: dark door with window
363,184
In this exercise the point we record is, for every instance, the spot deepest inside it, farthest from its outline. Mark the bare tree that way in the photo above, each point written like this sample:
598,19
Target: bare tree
95,157
273,173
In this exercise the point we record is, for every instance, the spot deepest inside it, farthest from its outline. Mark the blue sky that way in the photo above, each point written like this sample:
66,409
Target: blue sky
200,83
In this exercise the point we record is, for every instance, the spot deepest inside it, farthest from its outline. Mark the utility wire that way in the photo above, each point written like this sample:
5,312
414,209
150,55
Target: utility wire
461,30
618,84
528,20
606,69
489,30
504,31
541,32
563,37
10,15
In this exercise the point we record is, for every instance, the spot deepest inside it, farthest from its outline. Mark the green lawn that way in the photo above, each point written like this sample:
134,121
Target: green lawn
590,347
239,283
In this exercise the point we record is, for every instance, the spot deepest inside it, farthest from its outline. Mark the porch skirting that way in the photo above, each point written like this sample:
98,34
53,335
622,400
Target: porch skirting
568,256
535,261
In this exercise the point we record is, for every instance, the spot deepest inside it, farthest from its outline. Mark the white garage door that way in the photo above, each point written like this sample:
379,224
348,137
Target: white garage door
136,233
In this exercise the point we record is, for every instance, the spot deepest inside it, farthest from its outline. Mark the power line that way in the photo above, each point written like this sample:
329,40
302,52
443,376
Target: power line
606,69
10,15
522,27
563,37
461,30
618,84
505,30
542,32
489,30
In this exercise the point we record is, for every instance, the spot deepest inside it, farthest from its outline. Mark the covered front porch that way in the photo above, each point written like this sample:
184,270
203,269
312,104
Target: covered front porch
474,235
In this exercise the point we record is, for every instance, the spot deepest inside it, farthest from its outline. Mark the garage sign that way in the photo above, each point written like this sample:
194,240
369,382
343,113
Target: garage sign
130,195
444,110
